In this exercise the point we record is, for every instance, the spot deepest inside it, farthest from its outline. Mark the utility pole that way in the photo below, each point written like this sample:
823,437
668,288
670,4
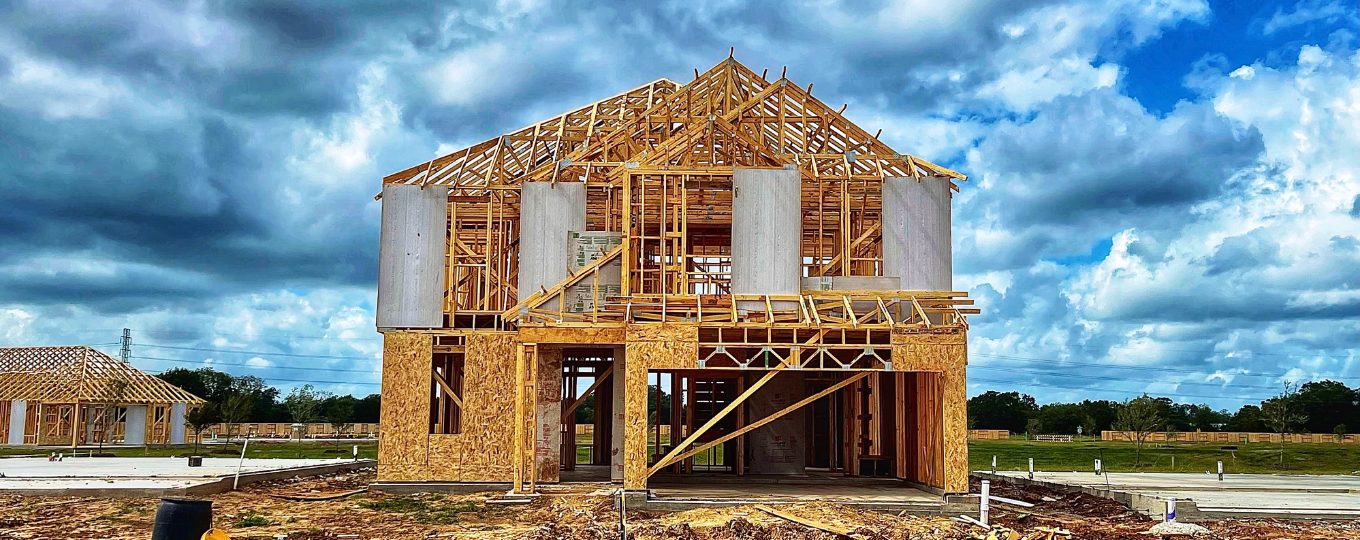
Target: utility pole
125,353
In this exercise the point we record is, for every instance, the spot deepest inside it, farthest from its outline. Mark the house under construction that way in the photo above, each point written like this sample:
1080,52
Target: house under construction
737,279
76,395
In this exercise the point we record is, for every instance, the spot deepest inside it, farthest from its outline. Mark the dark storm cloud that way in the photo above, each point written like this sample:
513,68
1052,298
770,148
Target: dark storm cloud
206,189
1248,251
1084,167
1085,157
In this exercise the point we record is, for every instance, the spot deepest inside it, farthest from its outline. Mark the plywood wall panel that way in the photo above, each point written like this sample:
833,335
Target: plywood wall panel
404,437
942,399
954,393
635,415
489,414
664,346
603,335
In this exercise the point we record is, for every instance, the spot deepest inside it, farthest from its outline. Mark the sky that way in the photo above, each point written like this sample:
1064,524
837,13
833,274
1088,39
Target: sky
1162,195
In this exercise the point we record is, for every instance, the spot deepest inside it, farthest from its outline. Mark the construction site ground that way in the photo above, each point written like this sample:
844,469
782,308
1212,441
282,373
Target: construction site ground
270,511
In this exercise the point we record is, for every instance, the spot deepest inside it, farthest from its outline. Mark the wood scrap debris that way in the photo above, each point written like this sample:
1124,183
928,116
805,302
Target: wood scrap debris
314,498
1039,533
834,529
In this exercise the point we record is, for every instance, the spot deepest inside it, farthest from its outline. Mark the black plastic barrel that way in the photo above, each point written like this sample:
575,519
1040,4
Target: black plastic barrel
182,519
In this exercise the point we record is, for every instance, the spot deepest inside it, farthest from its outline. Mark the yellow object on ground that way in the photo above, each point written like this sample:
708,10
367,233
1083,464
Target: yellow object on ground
215,534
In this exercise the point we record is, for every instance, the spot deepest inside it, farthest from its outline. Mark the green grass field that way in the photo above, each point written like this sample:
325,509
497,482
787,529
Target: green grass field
1303,458
257,449
1010,455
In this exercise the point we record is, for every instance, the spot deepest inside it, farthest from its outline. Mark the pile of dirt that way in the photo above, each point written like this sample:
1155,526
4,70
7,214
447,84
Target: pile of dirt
1274,528
1059,502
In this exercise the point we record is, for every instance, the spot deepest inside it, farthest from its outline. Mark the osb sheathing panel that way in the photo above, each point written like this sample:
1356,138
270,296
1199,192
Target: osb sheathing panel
913,351
635,414
482,451
664,346
946,353
403,437
572,335
548,429
487,441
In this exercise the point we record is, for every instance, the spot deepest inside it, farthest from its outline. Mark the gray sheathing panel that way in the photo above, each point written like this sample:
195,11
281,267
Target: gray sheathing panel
177,422
18,413
766,230
916,233
778,447
135,428
415,223
548,213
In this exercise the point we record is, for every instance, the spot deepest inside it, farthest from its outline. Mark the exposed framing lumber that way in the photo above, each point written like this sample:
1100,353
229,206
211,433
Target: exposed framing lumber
819,525
599,380
670,457
748,427
444,387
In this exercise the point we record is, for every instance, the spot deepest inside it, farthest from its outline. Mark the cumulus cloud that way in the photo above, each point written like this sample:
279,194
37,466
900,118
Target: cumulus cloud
1254,272
1085,167
203,172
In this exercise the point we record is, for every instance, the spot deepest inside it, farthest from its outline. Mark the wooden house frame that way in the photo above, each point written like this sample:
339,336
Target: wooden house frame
477,393
77,395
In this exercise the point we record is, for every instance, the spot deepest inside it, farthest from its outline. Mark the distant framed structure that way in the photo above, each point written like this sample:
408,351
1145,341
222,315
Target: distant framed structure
60,396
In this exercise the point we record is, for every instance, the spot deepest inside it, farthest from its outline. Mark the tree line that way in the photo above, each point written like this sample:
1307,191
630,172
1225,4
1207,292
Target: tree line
1316,407
237,399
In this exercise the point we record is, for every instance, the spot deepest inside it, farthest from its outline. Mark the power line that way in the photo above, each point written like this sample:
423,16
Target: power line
260,353
289,336
1109,390
1201,352
215,363
276,379
1116,366
201,333
1117,379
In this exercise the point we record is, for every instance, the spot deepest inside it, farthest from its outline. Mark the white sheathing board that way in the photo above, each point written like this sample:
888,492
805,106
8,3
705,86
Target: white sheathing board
134,431
177,423
766,233
778,447
548,213
916,233
411,255
18,413
584,248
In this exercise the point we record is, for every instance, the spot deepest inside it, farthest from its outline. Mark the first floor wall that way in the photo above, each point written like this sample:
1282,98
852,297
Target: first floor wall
921,408
482,450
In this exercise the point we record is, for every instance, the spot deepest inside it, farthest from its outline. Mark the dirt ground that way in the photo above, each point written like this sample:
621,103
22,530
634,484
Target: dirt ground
256,512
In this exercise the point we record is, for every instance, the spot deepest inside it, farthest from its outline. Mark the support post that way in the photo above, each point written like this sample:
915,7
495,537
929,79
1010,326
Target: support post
635,424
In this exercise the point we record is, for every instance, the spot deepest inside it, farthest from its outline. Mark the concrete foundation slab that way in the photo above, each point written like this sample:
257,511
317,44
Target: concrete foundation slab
1204,496
152,476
